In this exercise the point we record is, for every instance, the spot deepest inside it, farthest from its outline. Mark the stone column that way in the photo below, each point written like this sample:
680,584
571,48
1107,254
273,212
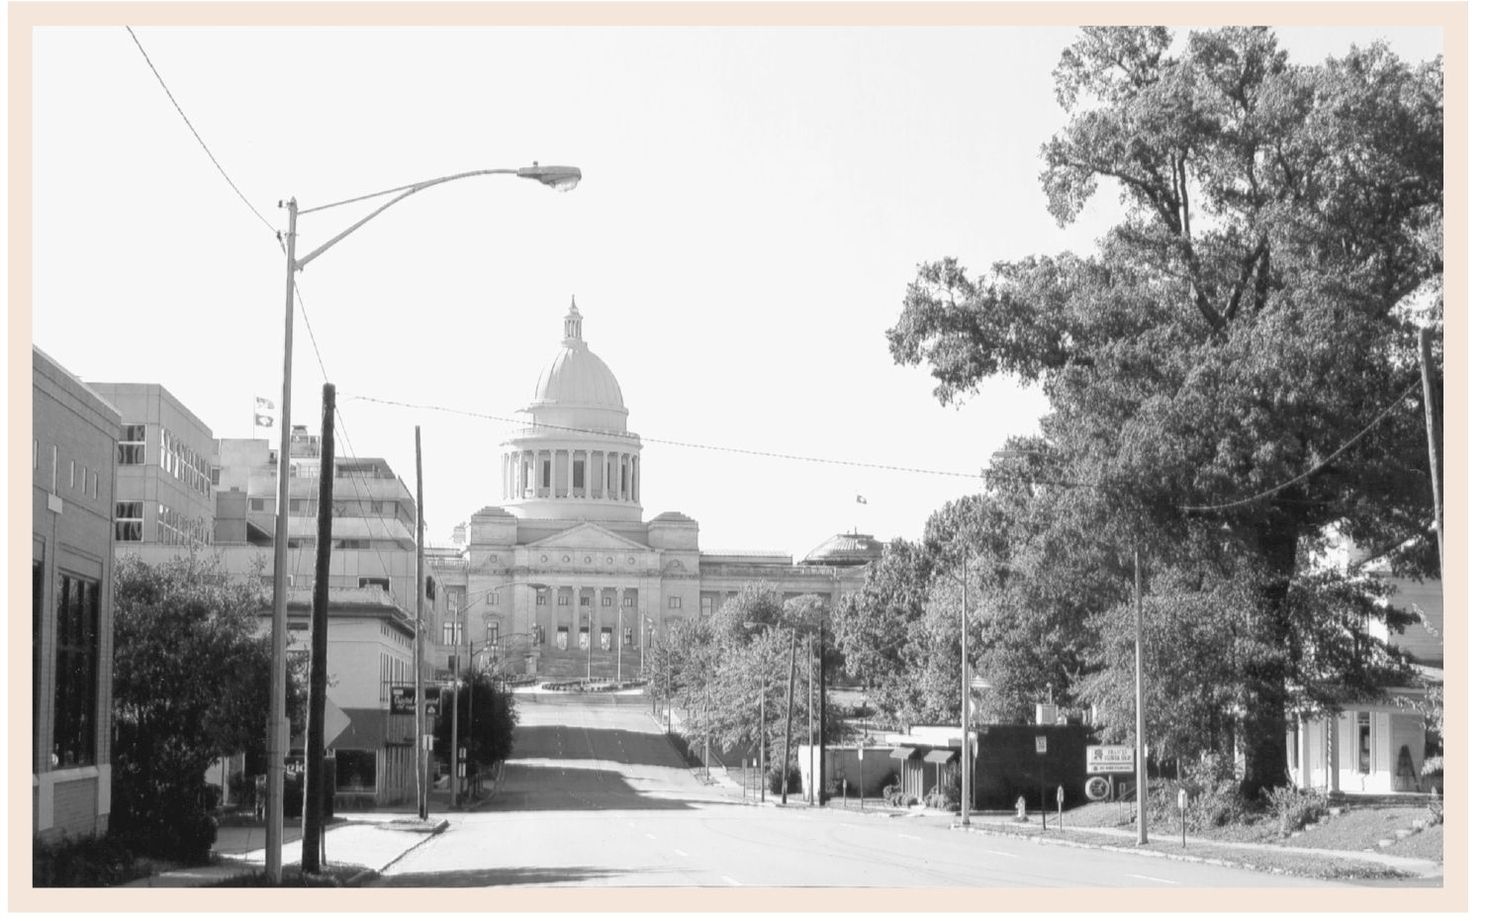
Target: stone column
635,478
572,466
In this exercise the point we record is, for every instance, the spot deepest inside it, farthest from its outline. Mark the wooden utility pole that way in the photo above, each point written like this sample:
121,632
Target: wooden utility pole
1434,431
314,736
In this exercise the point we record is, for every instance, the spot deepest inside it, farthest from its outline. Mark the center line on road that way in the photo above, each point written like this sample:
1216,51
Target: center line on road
681,852
1155,879
1001,853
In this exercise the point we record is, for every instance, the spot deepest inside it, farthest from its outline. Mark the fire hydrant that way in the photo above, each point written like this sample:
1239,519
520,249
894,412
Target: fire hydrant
1021,809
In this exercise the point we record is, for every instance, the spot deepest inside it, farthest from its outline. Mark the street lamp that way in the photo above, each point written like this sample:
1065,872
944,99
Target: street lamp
561,178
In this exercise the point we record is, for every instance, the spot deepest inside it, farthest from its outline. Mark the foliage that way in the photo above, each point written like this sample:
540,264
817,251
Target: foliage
487,730
1231,372
772,778
1295,808
90,862
191,676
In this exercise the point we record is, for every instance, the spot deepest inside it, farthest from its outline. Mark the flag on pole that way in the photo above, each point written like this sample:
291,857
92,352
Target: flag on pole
861,500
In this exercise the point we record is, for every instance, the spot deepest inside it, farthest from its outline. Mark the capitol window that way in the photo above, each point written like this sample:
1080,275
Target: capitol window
674,602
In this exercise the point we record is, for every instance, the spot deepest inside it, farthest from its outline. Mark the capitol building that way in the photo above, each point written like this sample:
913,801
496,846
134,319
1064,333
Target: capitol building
568,569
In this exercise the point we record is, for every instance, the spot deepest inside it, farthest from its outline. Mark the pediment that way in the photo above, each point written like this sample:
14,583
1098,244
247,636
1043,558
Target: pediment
588,536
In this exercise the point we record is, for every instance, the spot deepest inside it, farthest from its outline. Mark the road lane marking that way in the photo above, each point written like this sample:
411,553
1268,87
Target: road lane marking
910,837
1155,879
681,852
730,881
1002,854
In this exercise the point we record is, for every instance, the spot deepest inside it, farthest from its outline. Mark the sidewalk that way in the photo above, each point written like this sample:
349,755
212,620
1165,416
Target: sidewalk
373,840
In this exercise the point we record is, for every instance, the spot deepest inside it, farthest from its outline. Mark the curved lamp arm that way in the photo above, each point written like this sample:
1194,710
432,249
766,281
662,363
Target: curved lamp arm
561,178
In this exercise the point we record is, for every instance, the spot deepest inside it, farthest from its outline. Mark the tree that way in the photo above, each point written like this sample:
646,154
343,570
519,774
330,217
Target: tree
1229,373
191,678
487,720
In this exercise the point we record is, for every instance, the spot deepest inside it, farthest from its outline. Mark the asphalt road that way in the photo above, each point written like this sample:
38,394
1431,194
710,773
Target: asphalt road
594,796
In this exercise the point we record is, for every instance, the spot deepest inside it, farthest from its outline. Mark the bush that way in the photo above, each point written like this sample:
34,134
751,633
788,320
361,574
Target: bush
772,778
83,862
1295,808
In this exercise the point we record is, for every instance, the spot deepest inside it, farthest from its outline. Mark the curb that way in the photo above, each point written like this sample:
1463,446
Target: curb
1183,858
428,830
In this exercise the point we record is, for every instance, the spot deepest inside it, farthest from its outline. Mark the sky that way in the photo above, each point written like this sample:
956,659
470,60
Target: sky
754,204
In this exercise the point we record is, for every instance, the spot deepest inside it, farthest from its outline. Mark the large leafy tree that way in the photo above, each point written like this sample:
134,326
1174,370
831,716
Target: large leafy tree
1230,372
191,677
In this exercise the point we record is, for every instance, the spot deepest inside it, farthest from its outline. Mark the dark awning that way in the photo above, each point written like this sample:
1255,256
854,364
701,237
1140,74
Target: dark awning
905,752
941,756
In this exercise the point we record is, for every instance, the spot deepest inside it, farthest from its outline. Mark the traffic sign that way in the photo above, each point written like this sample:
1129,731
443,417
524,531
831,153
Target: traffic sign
860,753
1042,745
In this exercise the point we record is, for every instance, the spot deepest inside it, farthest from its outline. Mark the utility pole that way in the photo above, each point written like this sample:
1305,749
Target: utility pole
789,712
821,636
762,786
420,762
1434,431
964,691
810,724
454,733
314,736
1140,791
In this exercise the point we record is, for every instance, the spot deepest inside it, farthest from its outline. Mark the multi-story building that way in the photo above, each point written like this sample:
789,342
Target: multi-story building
567,559
74,432
162,478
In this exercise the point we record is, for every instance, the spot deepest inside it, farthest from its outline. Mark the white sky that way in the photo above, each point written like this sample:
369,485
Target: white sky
754,204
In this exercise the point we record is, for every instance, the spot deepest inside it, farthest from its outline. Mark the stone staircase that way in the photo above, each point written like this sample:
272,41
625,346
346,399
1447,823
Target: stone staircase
553,663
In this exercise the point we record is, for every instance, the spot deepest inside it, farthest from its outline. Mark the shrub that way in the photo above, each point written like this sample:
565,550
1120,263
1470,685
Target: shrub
772,778
1295,808
82,862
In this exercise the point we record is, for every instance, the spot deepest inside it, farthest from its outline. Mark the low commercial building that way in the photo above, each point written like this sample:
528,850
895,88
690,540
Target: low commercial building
74,433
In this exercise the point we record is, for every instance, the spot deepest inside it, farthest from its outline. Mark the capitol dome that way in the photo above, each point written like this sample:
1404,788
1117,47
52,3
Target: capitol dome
577,377
845,550
577,458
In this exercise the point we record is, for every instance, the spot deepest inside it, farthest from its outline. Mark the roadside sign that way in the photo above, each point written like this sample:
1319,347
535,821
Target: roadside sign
860,753
1110,759
1060,794
431,700
1042,745
401,699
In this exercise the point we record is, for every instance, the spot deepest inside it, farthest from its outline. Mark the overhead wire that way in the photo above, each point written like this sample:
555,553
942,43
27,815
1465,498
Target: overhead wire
196,133
664,441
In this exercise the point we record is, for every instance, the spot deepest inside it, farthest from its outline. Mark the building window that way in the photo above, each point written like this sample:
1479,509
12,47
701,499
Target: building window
608,601
562,637
538,634
129,521
1364,743
490,598
255,505
131,444
541,598
582,637
706,605
384,584
673,602
453,633
355,770
564,600
585,601
75,702
453,602
72,474
492,633
629,637
629,601
577,474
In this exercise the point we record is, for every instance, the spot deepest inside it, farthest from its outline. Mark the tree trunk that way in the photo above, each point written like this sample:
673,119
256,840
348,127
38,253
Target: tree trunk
1266,764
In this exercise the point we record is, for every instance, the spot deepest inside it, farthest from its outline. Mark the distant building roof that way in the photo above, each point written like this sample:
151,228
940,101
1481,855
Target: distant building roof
845,550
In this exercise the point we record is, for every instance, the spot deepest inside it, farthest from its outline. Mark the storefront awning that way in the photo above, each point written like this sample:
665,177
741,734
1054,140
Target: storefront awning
904,752
941,756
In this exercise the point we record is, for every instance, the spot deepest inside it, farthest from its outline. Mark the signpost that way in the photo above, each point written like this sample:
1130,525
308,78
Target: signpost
861,790
1110,759
1042,780
1060,807
1181,805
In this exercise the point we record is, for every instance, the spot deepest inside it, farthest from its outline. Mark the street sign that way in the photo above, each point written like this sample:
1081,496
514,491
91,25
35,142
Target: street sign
1042,745
860,753
1060,794
431,700
1110,759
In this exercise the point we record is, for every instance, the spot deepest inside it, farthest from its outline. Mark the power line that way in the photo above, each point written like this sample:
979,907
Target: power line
664,441
195,133
1314,469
